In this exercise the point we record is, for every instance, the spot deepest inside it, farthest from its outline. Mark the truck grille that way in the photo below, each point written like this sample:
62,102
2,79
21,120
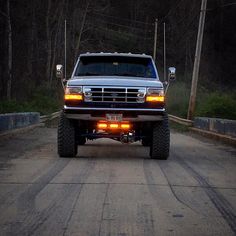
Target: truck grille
116,95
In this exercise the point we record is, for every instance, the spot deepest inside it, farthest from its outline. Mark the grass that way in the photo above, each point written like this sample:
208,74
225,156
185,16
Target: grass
178,127
43,101
209,104
217,105
177,99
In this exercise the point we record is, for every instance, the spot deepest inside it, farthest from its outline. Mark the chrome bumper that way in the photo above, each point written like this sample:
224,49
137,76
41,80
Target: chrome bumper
85,115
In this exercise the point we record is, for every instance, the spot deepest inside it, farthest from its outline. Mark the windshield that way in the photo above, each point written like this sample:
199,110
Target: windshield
115,66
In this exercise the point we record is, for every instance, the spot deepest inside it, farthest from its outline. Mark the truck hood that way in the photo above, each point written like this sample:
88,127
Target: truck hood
114,81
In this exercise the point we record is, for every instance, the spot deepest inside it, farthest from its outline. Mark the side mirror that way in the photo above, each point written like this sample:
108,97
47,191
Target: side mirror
59,71
171,73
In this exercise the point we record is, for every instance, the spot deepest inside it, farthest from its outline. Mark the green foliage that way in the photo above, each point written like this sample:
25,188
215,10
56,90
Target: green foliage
217,105
209,104
43,101
177,99
178,127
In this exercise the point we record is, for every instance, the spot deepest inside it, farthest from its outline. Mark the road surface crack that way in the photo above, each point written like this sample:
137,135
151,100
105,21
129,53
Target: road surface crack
221,204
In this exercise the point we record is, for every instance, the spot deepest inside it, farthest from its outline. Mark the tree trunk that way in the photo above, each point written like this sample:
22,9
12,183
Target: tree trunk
82,28
9,31
49,41
55,46
31,57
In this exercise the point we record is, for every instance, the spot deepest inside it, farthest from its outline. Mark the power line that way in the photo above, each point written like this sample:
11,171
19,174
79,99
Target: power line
222,6
119,25
99,28
124,19
228,4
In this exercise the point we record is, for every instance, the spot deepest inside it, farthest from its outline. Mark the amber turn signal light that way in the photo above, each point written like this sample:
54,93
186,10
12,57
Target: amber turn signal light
155,98
77,97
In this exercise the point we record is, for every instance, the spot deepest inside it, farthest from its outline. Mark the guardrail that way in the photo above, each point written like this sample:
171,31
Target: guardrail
181,120
211,132
213,128
11,121
49,117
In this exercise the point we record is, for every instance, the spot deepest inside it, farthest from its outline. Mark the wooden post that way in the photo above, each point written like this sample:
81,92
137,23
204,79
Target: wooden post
65,51
164,52
192,100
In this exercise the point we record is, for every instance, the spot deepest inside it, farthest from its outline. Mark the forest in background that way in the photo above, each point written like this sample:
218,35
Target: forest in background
32,43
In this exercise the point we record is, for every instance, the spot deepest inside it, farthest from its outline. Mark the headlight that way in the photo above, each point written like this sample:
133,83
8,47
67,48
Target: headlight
73,93
155,95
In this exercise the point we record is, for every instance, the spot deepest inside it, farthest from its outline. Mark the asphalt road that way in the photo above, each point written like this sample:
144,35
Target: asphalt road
114,189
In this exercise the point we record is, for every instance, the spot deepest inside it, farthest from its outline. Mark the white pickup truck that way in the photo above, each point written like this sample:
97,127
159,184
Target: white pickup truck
117,96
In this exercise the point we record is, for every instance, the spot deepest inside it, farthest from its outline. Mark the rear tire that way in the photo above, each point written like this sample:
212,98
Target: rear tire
160,143
66,142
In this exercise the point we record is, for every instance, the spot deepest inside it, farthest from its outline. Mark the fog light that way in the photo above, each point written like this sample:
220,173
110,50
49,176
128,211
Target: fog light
114,126
102,125
125,126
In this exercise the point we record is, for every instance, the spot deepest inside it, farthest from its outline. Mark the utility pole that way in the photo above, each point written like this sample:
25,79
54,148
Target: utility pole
164,52
65,49
155,41
192,100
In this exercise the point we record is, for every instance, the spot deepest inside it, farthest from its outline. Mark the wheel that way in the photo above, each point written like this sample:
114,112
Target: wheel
66,142
146,142
160,143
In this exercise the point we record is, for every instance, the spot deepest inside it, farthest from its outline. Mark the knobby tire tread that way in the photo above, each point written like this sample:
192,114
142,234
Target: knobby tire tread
66,137
160,140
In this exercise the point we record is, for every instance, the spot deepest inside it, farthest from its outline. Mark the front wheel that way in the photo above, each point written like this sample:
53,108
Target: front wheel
66,142
160,143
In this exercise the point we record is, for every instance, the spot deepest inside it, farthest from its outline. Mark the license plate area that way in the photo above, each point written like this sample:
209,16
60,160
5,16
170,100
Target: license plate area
114,117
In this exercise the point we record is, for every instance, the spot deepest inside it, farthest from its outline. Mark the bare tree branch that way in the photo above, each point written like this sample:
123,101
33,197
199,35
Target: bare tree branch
3,14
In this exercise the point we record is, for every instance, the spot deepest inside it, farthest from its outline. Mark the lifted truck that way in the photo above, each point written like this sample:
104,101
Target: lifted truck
117,96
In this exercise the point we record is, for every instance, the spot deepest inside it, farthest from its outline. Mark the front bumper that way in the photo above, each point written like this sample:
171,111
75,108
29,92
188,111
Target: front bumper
129,114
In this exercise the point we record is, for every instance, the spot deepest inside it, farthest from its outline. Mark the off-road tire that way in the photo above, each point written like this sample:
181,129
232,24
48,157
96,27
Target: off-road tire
160,143
66,142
